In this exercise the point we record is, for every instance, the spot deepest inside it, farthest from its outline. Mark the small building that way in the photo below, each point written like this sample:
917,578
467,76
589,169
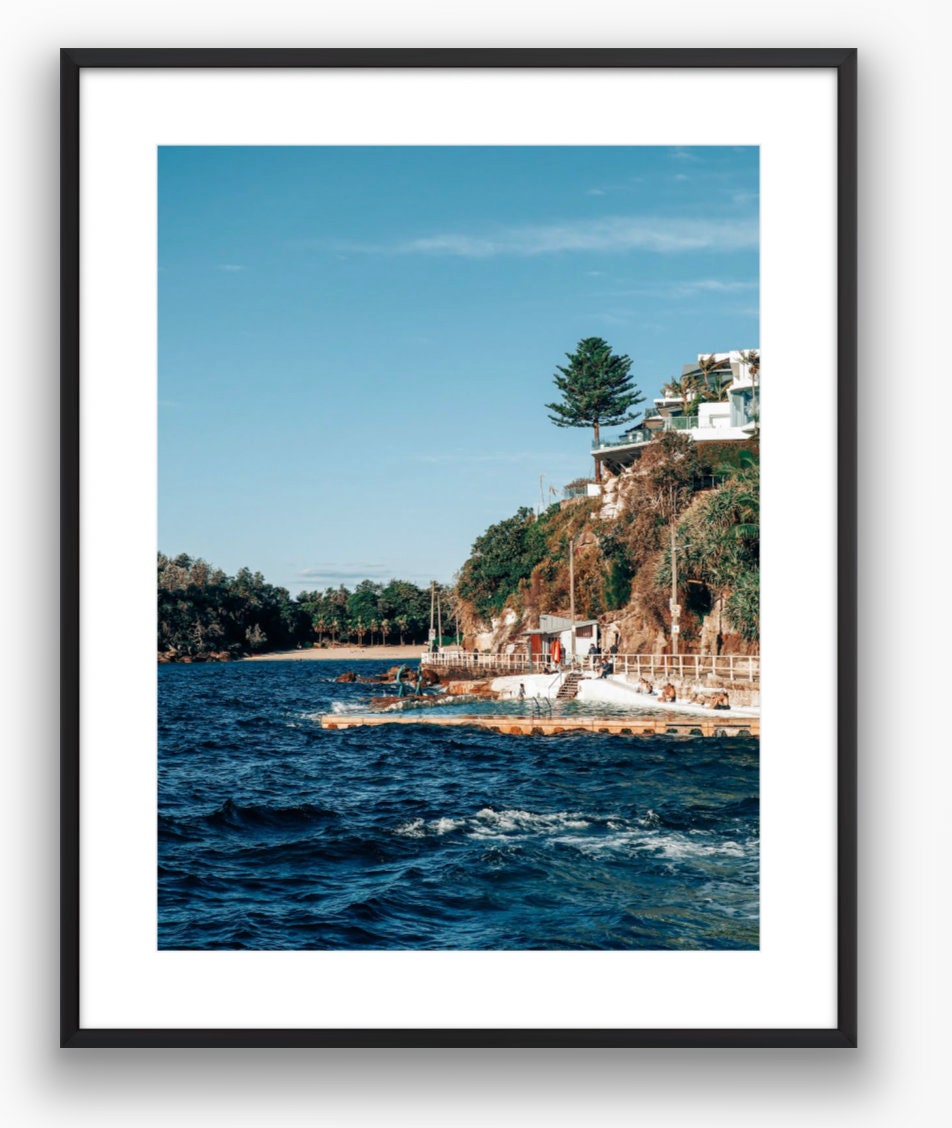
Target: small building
576,490
552,627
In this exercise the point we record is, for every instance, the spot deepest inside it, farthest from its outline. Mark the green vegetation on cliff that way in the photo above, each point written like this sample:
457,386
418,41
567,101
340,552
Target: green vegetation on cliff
622,550
502,558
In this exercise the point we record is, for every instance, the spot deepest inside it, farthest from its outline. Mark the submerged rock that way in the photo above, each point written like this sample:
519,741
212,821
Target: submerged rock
471,688
386,702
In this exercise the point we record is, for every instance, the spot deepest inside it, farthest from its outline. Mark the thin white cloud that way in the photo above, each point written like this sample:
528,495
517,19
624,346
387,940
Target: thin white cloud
464,458
626,186
232,267
681,154
363,564
681,176
613,233
341,572
609,317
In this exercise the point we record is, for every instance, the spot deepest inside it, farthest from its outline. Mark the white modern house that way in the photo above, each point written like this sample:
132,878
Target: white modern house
738,416
735,374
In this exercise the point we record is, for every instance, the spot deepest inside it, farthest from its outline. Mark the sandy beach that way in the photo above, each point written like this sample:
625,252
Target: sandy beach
342,654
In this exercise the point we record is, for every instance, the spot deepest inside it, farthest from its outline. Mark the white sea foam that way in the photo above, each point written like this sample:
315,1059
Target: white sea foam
490,823
445,826
677,847
673,846
563,828
416,828
420,828
346,707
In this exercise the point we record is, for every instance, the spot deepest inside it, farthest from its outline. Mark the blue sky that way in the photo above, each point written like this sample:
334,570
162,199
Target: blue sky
356,344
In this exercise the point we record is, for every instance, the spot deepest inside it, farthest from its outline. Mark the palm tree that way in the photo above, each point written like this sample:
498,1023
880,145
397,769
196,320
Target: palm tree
747,498
752,359
688,388
711,374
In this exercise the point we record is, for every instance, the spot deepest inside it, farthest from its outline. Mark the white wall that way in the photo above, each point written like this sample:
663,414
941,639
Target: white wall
719,431
714,415
899,1074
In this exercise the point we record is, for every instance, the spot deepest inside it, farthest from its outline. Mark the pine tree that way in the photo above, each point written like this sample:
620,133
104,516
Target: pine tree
596,389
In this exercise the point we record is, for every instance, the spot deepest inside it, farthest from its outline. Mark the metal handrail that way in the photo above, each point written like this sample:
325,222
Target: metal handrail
635,438
541,704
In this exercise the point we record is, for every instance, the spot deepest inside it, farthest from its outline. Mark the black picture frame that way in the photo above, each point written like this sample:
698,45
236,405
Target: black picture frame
844,63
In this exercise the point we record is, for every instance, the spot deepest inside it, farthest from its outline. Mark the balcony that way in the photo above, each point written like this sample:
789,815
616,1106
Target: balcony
640,438
628,439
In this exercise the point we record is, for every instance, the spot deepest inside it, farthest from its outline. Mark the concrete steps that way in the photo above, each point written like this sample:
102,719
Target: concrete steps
569,688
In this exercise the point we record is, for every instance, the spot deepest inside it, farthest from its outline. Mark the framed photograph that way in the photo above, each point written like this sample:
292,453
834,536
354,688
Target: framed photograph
458,634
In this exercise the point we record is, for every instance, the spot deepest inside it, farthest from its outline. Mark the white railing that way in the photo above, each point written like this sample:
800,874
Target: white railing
728,667
465,660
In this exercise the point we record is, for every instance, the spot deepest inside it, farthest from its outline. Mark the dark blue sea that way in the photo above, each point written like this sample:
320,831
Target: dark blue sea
274,833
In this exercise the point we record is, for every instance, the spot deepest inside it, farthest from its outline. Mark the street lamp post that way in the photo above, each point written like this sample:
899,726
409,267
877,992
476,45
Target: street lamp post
572,592
675,606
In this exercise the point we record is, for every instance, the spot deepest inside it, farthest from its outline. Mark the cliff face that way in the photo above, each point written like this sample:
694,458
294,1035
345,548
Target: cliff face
622,558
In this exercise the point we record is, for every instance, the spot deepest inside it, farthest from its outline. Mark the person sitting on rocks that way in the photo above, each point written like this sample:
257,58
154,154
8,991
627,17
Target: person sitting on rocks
720,701
668,693
645,686
608,667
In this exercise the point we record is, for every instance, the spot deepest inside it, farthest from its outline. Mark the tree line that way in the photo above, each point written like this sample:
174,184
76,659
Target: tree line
203,612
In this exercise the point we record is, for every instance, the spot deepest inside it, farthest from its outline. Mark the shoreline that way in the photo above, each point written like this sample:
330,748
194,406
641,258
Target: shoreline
342,654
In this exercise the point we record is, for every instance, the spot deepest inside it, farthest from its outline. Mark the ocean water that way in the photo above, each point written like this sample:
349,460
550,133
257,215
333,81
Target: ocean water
274,833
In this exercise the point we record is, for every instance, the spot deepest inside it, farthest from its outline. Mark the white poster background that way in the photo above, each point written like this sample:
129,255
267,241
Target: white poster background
125,981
